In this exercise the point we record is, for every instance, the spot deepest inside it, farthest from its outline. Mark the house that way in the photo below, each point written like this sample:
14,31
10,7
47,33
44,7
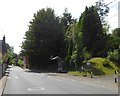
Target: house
3,51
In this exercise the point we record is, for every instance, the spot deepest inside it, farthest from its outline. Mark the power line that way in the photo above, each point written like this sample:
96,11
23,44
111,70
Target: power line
112,16
107,18
111,2
114,6
106,4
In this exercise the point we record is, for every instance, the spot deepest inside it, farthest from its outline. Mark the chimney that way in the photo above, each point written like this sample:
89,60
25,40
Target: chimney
3,46
4,38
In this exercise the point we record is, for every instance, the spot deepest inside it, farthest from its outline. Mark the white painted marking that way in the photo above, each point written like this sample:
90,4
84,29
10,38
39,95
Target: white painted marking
49,76
103,86
73,80
16,77
8,77
41,75
36,89
29,89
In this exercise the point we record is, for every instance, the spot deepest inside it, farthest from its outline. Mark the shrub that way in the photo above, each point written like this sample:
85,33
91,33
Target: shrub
114,56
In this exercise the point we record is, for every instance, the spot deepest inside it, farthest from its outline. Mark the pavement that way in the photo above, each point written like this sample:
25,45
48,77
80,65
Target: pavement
3,81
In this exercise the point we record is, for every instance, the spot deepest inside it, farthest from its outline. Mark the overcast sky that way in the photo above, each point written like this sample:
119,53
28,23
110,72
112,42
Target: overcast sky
16,14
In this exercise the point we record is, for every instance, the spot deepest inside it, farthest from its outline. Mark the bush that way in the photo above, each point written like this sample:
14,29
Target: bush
106,64
20,63
102,66
99,66
114,56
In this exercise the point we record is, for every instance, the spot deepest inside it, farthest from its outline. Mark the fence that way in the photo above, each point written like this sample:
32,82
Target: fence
3,67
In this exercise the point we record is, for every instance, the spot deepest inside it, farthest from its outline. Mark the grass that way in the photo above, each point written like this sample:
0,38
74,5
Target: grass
105,66
75,73
78,73
100,66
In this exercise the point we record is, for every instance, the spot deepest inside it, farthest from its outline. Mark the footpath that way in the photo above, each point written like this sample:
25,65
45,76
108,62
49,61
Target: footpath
3,81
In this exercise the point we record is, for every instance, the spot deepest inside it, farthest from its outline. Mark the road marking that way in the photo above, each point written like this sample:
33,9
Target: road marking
16,77
36,89
50,76
8,77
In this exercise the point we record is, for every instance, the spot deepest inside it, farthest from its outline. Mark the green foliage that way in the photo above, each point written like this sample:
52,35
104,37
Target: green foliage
86,54
114,39
74,38
99,66
45,37
66,19
75,41
102,9
106,27
92,32
78,73
114,56
113,46
11,55
102,66
20,62
73,57
116,32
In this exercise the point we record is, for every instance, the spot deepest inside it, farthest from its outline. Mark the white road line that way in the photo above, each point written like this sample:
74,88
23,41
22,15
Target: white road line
36,89
16,77
8,77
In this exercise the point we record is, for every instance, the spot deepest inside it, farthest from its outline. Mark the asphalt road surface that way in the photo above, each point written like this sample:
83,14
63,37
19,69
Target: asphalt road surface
21,81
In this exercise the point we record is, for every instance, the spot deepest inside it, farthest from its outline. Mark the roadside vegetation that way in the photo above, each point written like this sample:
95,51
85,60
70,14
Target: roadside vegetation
76,41
100,66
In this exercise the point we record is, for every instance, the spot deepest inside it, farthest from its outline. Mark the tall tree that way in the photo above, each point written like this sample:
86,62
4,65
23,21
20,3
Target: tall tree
66,18
11,56
114,39
114,46
44,38
91,27
102,10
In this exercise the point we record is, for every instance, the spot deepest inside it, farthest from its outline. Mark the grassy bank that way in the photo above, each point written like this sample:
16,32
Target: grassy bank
100,66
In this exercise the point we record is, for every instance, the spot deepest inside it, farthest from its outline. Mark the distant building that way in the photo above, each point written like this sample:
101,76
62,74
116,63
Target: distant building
3,49
0,49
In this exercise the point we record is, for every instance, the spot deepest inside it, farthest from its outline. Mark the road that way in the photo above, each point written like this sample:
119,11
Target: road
21,81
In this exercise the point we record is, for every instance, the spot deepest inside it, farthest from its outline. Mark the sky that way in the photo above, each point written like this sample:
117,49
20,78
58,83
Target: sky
15,15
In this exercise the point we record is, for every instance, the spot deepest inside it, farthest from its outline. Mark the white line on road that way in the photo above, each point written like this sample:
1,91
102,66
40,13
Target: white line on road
16,77
8,77
36,89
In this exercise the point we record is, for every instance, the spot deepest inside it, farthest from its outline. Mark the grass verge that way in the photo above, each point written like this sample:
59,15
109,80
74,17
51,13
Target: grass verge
100,66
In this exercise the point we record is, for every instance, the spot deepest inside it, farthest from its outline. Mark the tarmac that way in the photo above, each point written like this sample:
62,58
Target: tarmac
106,81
